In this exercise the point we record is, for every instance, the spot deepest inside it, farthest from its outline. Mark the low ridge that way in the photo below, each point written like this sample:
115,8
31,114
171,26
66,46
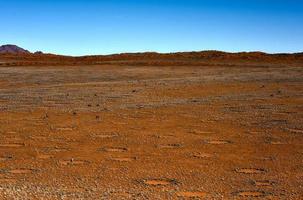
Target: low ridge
12,55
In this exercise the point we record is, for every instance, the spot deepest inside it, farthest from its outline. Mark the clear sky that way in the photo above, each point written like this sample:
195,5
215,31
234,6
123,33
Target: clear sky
81,27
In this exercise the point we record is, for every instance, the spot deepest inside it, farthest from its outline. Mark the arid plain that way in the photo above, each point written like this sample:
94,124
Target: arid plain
146,130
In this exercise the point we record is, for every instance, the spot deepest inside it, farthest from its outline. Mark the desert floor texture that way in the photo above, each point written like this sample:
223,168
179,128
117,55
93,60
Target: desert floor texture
125,132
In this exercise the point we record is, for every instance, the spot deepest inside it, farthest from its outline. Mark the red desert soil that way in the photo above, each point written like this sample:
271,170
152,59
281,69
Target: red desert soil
133,130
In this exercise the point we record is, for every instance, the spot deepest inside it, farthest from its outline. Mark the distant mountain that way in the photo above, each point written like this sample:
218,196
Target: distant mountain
13,49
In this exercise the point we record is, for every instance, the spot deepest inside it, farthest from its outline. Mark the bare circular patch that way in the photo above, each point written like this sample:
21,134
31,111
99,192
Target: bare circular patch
217,142
64,128
7,180
162,136
251,171
39,138
170,146
104,136
276,142
202,155
5,158
266,158
198,132
159,182
123,159
191,194
114,149
265,183
20,171
2,159
252,194
55,149
44,156
73,162
12,145
121,195
295,130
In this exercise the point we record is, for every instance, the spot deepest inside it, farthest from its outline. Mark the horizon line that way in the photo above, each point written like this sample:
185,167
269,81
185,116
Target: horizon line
160,52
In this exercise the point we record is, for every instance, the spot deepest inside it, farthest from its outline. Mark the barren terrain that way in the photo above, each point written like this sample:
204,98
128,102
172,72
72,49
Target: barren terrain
151,132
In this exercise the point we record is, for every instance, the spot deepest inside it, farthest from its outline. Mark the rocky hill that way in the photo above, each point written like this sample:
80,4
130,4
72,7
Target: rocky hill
13,49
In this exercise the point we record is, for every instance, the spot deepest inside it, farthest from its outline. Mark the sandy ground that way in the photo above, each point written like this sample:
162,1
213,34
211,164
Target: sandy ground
104,132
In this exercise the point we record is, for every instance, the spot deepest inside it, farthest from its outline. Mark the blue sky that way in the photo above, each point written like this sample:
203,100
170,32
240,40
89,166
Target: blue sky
82,27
